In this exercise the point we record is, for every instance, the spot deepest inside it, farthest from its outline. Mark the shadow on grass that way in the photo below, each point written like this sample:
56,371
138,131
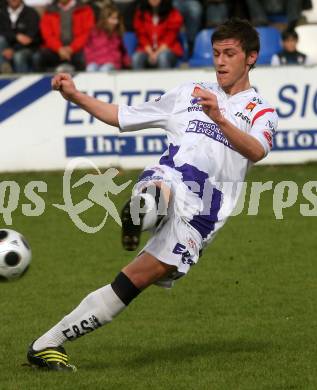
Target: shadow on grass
136,357
187,351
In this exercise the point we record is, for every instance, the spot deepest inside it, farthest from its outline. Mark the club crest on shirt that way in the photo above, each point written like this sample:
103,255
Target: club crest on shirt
250,106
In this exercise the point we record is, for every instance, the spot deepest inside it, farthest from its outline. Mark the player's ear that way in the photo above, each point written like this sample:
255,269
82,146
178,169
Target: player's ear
251,58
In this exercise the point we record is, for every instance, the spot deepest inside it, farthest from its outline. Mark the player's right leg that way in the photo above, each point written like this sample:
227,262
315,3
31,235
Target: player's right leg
97,309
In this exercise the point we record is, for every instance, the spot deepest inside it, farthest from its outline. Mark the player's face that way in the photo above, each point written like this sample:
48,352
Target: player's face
232,65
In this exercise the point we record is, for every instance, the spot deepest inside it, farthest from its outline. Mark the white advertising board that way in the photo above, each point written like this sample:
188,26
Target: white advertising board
42,131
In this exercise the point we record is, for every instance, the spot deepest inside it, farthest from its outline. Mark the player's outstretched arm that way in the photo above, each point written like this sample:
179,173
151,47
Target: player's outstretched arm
244,143
105,112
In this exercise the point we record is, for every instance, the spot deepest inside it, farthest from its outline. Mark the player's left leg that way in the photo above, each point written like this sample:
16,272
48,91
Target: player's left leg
143,211
97,309
149,203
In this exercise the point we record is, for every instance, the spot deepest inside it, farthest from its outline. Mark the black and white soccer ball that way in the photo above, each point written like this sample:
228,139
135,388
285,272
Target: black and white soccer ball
15,255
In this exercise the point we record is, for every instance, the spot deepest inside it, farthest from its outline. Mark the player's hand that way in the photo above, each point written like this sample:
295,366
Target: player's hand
63,83
209,103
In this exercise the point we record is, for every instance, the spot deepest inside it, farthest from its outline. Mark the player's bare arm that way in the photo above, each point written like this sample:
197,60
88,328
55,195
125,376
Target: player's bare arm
245,144
106,112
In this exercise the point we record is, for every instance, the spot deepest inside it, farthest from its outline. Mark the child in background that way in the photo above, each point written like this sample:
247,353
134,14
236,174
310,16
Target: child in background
104,49
289,55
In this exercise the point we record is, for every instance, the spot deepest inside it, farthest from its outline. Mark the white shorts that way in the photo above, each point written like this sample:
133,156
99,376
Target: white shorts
174,241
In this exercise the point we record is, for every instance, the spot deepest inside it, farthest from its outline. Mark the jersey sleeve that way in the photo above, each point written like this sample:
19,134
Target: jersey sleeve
150,114
263,127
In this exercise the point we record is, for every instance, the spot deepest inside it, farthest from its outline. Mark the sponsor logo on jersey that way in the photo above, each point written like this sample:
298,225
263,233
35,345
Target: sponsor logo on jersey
268,137
208,129
243,117
270,125
158,99
181,249
257,100
250,106
194,100
194,108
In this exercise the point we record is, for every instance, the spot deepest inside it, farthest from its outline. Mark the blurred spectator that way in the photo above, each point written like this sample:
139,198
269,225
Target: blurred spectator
104,49
192,11
127,10
237,9
95,5
19,36
216,12
259,9
289,55
257,12
65,27
157,26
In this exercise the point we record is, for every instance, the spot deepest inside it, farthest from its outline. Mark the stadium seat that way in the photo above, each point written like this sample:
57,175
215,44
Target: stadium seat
270,40
130,42
307,41
202,54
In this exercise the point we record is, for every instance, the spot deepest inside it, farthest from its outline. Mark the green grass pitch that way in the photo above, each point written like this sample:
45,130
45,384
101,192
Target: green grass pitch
244,318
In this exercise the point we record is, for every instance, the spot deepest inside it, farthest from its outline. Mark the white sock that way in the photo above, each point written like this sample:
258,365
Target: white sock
97,309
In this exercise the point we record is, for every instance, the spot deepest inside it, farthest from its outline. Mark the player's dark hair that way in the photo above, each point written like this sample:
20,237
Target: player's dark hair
163,9
239,29
289,33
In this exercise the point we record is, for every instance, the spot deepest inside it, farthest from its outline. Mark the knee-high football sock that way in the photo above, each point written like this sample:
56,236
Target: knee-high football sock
97,309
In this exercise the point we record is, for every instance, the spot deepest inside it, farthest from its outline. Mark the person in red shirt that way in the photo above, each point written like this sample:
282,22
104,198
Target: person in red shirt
104,49
65,27
157,26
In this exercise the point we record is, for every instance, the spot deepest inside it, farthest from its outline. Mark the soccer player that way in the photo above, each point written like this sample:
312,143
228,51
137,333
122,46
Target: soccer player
215,132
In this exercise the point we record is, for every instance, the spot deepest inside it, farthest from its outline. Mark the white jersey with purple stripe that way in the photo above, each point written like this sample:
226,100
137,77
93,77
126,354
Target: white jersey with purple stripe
199,158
